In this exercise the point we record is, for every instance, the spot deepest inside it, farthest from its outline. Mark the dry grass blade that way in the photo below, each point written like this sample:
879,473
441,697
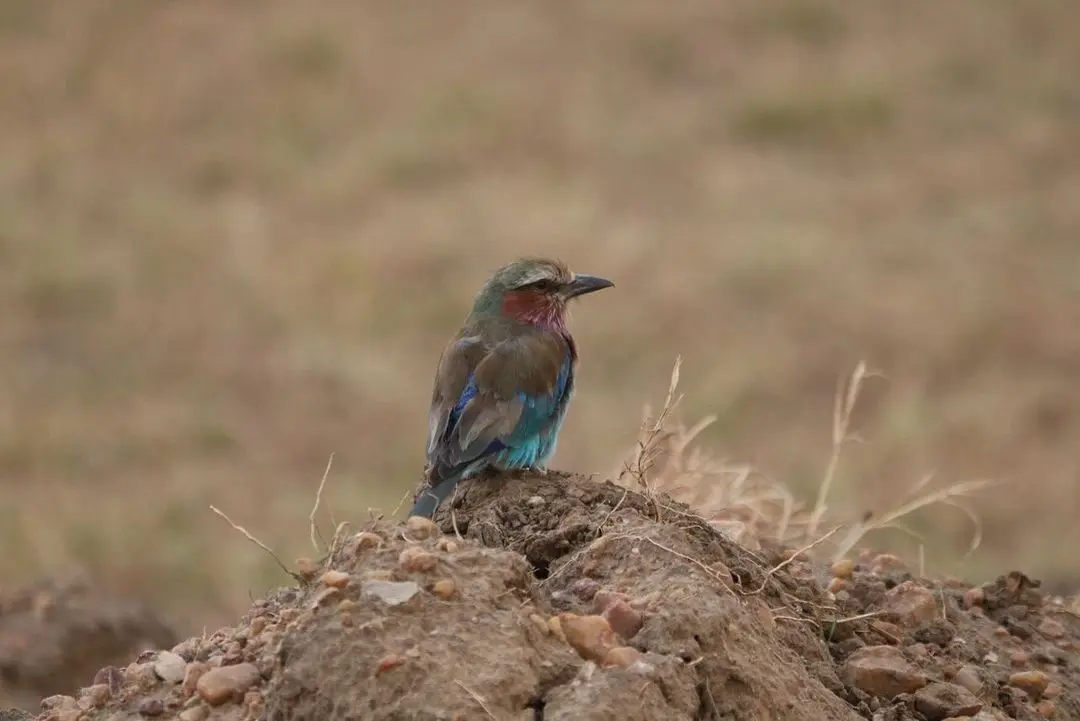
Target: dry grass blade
340,535
735,499
477,698
401,502
952,496
750,507
316,534
247,534
652,436
843,407
791,559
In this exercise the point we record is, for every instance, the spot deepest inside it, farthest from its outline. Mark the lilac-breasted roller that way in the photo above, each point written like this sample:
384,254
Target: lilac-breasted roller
505,380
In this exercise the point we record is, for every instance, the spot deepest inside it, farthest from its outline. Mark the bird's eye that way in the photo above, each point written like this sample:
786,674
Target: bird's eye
545,285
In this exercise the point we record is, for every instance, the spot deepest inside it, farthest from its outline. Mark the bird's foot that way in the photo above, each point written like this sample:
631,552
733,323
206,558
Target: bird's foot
538,469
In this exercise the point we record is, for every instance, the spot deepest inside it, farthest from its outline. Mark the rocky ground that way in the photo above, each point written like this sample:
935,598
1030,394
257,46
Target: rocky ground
562,597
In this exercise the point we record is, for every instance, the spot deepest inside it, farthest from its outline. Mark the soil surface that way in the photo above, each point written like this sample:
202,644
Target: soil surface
562,597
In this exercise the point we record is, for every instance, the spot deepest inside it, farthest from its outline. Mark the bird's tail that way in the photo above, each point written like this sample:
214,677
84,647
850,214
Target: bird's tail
433,496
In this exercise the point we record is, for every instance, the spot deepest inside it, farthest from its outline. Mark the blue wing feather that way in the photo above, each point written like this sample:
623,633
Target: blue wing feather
524,445
470,392
540,411
529,442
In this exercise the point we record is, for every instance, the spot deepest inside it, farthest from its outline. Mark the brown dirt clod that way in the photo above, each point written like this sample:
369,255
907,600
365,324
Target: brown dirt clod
588,607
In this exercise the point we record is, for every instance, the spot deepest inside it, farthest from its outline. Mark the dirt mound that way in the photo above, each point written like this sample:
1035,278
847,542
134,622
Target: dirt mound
55,633
560,597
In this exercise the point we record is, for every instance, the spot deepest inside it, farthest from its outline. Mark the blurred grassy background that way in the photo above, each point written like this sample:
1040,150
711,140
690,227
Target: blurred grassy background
234,237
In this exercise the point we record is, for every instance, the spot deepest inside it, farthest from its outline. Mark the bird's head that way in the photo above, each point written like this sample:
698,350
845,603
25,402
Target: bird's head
536,291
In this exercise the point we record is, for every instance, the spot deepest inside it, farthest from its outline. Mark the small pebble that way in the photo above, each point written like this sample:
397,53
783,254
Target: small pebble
366,540
882,671
910,604
170,667
536,501
98,695
445,588
192,674
151,707
1032,682
335,579
415,559
622,656
306,568
968,677
448,545
838,584
939,701
226,683
623,619
844,568
1051,629
186,649
392,593
585,588
421,528
58,702
974,597
590,636
389,662
195,713
110,676
1046,708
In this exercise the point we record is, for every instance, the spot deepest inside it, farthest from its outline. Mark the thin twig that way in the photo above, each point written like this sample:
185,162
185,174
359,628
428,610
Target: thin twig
600,528
790,559
401,503
690,559
257,542
315,532
339,533
859,617
796,619
477,698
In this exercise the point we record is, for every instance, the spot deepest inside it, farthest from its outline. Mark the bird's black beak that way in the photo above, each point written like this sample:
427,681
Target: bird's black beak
582,284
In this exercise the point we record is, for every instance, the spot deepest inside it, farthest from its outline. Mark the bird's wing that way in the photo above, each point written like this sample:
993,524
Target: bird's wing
513,391
452,379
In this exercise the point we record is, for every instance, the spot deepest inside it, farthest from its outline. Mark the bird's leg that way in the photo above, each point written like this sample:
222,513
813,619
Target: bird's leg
539,469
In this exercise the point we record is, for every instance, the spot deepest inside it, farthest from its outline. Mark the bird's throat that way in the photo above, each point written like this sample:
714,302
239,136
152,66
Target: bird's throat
535,308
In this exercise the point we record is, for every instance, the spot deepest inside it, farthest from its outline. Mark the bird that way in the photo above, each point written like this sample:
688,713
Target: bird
504,382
